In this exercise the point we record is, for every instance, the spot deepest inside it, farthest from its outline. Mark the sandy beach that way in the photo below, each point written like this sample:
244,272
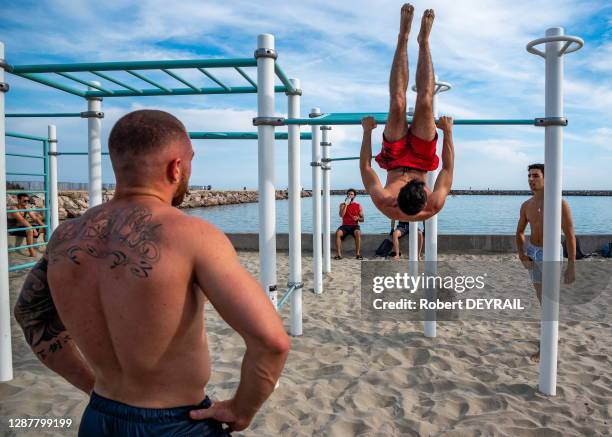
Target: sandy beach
349,376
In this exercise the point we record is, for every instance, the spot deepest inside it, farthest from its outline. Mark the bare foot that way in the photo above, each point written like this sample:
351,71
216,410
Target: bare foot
426,23
535,357
406,20
396,257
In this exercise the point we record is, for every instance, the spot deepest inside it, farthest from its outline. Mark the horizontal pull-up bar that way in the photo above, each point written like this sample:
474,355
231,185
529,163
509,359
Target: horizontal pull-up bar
242,135
348,158
381,118
44,114
25,137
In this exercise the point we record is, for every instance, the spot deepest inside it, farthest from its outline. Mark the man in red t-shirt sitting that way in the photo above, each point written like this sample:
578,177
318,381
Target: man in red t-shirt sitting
351,213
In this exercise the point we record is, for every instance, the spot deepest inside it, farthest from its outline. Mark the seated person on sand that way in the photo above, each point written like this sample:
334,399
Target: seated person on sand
402,229
531,253
20,220
352,214
116,305
409,152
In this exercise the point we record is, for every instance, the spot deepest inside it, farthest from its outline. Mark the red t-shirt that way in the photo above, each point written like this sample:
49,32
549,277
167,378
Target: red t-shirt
352,210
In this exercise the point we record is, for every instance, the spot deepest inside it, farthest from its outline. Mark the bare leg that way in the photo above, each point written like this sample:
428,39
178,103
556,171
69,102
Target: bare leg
421,239
30,241
536,356
396,247
396,126
423,123
339,243
357,243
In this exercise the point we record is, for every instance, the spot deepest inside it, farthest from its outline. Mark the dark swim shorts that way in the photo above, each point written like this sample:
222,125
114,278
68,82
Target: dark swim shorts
105,417
348,230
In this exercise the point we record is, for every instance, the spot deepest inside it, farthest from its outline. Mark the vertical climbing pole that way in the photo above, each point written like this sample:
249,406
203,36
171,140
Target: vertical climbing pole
266,56
94,155
325,169
53,212
557,44
317,261
295,198
6,353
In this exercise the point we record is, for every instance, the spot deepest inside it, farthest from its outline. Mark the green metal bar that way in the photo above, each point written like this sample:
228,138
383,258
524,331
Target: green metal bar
180,92
12,173
246,76
22,266
286,296
283,78
78,153
180,79
24,155
24,136
27,246
45,114
115,81
242,135
381,118
26,210
147,80
348,158
214,79
134,65
52,83
84,82
25,191
25,229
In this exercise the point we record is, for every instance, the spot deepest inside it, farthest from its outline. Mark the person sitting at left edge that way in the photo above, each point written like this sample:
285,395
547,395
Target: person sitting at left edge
116,305
352,214
19,220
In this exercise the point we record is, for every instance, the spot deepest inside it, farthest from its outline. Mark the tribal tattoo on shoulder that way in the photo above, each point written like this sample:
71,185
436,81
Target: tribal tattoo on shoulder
126,237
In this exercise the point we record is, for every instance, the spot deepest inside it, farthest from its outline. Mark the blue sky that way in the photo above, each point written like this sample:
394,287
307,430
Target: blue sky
341,52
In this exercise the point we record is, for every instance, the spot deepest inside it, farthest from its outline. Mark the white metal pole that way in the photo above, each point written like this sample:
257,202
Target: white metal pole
6,352
295,224
53,191
317,261
431,237
265,167
553,159
326,170
94,156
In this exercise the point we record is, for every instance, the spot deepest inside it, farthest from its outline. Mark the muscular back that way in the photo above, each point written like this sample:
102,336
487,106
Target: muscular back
122,279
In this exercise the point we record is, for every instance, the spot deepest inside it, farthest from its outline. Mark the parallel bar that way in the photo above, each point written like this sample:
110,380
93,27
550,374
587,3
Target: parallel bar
52,84
25,229
381,118
27,246
241,135
283,78
22,266
134,65
246,76
85,82
214,79
26,210
180,79
24,136
147,80
25,155
12,173
179,92
45,114
115,81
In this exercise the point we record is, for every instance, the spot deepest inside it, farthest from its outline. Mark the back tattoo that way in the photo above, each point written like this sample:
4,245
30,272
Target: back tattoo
125,236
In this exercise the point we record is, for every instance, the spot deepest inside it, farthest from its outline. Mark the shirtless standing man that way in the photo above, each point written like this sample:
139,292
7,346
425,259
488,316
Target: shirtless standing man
116,305
531,253
409,152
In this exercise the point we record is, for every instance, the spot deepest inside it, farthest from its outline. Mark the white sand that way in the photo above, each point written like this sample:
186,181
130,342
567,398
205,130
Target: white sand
347,376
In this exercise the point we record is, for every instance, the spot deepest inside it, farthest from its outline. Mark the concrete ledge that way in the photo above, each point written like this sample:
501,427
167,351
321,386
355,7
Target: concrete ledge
446,243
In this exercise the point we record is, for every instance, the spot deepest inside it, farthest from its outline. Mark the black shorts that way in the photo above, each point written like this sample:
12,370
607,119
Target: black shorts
348,230
21,233
404,229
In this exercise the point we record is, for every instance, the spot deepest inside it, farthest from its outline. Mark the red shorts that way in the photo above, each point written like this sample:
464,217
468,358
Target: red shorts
409,151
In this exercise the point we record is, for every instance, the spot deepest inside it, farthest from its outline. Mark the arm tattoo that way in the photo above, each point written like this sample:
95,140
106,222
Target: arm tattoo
125,236
35,311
